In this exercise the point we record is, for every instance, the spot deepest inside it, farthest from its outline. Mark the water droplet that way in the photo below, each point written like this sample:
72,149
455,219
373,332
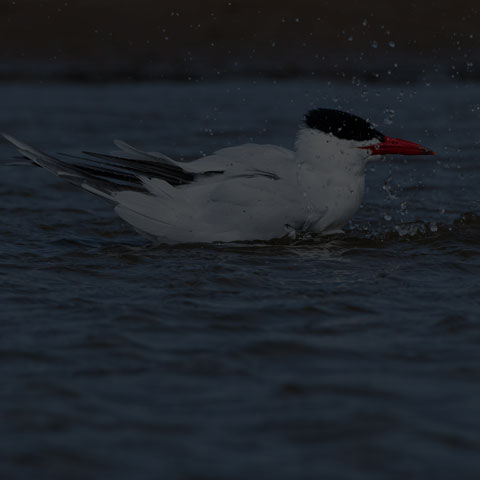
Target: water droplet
374,44
389,116
391,44
365,22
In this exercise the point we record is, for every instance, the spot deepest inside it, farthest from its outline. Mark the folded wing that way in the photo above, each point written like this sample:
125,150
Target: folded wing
219,197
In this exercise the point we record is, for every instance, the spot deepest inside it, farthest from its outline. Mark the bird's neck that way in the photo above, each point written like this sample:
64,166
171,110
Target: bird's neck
328,154
331,174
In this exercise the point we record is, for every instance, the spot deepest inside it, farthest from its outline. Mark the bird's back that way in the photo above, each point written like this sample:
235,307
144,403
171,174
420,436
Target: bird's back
241,193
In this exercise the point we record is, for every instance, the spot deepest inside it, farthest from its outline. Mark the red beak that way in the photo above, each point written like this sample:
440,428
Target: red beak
397,146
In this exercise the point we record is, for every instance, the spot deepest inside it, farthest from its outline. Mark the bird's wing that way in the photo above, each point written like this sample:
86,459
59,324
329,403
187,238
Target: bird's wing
122,170
104,175
249,160
177,201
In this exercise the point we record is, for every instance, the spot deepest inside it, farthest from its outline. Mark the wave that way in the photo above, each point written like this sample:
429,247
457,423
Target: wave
464,229
466,226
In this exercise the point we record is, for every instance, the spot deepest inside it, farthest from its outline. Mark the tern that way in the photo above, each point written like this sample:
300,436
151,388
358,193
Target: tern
247,192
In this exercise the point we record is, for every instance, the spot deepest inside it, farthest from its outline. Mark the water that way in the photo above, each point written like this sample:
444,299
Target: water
355,356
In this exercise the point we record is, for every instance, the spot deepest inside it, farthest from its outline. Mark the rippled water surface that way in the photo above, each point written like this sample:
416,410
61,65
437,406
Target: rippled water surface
354,356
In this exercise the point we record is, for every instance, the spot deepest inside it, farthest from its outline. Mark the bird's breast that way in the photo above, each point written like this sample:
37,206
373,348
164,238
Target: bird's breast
333,199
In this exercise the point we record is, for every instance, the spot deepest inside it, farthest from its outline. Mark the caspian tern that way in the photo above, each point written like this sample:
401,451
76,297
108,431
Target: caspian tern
248,192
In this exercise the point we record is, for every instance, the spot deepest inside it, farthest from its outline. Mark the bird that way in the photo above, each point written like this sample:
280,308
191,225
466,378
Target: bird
242,193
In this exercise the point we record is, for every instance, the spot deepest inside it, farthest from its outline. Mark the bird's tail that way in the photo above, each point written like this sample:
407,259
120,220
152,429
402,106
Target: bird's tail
105,175
136,182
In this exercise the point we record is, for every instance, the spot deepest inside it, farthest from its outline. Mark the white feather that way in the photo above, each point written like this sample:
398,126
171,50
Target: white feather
249,192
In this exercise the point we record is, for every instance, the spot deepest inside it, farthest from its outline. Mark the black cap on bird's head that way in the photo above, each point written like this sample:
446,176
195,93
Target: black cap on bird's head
346,126
342,125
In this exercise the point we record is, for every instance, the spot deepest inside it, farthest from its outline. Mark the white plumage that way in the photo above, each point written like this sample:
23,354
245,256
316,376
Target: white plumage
249,192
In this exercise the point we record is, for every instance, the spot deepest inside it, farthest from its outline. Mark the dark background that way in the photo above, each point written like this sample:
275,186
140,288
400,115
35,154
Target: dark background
351,357
146,39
